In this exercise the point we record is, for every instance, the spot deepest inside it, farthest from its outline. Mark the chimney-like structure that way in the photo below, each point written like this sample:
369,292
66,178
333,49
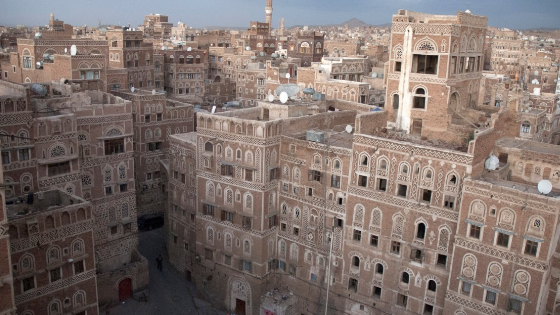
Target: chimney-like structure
268,11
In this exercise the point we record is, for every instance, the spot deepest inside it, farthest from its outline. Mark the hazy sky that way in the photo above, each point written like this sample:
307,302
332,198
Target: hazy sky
519,14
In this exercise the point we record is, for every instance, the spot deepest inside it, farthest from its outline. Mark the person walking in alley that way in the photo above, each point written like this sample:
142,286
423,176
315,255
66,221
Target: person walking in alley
159,261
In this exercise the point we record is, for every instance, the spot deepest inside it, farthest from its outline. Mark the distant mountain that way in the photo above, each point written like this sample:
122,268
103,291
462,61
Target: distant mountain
353,23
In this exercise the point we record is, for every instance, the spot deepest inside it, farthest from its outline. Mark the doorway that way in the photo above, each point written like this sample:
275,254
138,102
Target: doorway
125,289
239,307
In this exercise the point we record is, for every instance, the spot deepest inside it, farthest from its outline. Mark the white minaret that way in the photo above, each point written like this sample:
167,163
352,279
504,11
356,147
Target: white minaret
268,11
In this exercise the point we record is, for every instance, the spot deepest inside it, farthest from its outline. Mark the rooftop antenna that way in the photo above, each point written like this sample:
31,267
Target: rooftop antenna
288,77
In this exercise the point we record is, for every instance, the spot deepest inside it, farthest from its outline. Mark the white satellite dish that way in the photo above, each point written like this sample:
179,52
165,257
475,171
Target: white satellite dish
544,186
213,109
492,163
153,92
287,75
348,128
248,48
65,50
189,49
270,98
283,97
132,89
73,50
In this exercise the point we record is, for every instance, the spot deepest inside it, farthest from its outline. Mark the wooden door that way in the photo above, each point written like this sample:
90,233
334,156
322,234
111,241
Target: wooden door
125,289
239,307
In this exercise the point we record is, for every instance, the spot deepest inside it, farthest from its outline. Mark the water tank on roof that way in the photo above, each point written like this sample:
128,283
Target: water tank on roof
308,91
275,55
39,89
38,35
374,75
315,136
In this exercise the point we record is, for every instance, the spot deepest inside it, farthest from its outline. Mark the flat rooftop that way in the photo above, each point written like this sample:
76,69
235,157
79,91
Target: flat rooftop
414,139
529,145
527,188
41,201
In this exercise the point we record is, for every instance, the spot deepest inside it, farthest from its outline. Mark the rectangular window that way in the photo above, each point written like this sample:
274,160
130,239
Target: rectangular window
441,260
159,117
402,300
428,309
273,173
227,216
398,66
114,146
335,181
292,270
453,65
382,184
465,288
207,209
246,222
153,146
183,178
461,64
353,284
285,187
490,297
425,64
396,247
502,239
59,168
448,201
227,170
23,154
28,283
79,267
475,231
531,248
272,221
377,292
416,255
401,191
310,191
362,181
313,277
147,118
5,157
175,175
27,62
123,187
296,231
315,176
357,235
374,241
427,195
338,222
283,227
515,306
128,228
108,190
55,274
249,175
148,176
114,230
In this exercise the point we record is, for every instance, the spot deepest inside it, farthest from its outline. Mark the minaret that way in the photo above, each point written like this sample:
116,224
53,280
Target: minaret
268,11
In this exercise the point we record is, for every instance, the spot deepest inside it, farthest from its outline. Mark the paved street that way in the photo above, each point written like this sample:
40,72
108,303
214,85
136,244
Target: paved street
168,293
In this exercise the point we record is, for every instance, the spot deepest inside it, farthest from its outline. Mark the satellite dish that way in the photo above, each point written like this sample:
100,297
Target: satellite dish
492,163
287,75
153,92
270,98
189,49
213,109
283,97
248,48
544,186
73,50
65,50
132,89
374,75
348,128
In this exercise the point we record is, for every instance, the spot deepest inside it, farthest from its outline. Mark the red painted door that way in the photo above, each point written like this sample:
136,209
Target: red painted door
125,289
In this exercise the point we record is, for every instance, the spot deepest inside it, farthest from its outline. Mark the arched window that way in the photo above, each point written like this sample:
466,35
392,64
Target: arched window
364,159
53,255
49,223
419,100
208,147
379,268
405,277
356,261
432,286
421,231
